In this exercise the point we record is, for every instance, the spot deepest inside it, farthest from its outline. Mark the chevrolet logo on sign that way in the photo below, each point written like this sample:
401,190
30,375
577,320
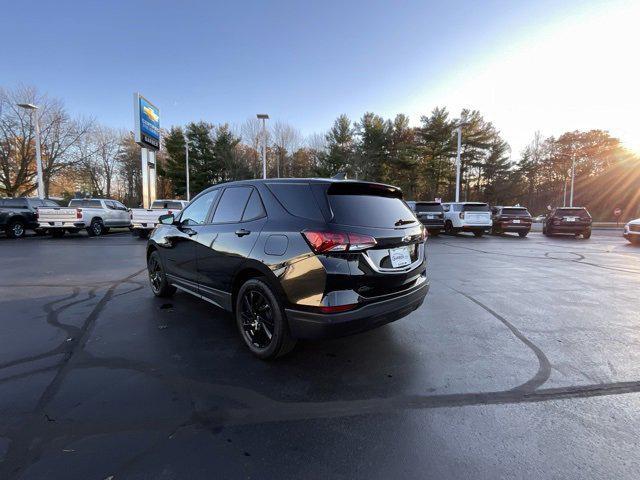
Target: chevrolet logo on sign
150,113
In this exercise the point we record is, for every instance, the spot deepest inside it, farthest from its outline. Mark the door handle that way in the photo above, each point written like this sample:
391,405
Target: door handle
242,232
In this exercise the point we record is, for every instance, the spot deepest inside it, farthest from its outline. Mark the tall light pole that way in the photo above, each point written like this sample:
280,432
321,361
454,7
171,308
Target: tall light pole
458,162
33,109
573,176
186,154
264,117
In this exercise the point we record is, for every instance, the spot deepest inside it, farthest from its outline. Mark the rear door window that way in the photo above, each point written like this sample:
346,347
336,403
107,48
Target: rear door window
232,204
254,208
15,203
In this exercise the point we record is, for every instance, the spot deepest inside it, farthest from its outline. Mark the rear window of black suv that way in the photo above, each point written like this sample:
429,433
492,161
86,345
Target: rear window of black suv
422,207
515,211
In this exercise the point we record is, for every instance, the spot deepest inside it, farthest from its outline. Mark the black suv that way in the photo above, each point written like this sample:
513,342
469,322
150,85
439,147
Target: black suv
430,214
511,219
572,220
294,258
17,215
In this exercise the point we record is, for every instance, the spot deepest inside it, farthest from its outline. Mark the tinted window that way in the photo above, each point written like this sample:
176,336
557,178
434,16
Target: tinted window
515,211
370,211
297,199
111,204
14,203
171,205
232,204
254,207
577,212
83,202
197,212
475,207
50,203
428,207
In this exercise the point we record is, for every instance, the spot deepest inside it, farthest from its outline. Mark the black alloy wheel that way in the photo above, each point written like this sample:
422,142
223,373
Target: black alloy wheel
16,229
261,321
157,278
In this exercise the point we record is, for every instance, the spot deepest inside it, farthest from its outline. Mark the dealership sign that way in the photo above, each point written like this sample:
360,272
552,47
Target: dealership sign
147,120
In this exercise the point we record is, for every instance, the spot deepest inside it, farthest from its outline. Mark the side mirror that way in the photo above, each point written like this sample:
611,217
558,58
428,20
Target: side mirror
167,219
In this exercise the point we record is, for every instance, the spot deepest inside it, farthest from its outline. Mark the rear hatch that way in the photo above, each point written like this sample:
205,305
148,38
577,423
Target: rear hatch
429,213
515,215
394,260
476,214
570,217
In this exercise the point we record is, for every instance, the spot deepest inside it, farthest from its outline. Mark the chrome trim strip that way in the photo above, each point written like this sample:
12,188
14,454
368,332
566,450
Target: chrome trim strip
406,269
202,297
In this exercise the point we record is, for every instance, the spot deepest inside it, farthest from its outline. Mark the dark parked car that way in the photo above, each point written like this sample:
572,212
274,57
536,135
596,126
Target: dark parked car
430,214
294,258
569,220
17,215
511,219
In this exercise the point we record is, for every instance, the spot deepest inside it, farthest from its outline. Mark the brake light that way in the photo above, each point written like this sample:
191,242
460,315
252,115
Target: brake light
78,213
462,215
338,308
425,233
321,242
37,214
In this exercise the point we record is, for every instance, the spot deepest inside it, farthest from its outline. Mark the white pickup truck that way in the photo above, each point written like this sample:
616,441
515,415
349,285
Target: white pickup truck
143,220
96,215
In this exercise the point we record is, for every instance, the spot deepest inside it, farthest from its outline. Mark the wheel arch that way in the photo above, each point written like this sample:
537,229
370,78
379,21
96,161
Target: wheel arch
254,270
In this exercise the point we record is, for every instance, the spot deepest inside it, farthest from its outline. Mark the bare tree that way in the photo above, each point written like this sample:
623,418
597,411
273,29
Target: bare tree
59,135
286,139
251,134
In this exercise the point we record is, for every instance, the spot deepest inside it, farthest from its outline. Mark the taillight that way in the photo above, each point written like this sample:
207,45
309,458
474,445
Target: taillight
37,214
425,233
321,242
169,212
557,221
462,215
78,213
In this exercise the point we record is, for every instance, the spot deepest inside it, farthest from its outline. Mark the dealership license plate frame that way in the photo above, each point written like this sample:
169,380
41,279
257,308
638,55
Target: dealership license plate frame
400,257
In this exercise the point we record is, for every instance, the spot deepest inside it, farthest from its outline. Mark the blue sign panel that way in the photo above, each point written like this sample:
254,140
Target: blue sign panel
147,123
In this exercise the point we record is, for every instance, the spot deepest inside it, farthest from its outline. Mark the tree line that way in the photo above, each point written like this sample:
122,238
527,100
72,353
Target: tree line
82,157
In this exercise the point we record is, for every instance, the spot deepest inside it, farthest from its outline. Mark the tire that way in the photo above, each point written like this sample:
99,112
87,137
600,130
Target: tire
448,228
96,228
495,231
143,234
157,277
478,234
523,234
57,232
261,322
16,229
586,234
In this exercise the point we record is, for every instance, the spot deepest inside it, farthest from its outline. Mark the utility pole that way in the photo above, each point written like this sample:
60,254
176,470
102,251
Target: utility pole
33,109
458,162
186,152
573,176
264,117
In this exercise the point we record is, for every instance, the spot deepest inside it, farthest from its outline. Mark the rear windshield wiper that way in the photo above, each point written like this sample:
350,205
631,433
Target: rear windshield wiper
403,222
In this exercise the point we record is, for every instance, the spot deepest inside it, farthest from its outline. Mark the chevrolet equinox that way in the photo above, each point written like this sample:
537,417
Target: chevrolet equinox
294,258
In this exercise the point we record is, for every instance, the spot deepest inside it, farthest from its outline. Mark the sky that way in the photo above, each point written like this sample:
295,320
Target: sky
543,66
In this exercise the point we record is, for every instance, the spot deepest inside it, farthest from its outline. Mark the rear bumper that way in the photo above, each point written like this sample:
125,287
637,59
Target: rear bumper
53,225
433,225
311,325
569,228
143,226
475,228
514,227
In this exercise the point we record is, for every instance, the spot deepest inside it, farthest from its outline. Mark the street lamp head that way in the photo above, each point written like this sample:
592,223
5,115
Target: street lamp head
262,116
28,106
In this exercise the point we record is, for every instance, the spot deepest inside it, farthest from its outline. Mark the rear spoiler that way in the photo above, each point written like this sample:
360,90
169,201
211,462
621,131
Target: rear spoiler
364,188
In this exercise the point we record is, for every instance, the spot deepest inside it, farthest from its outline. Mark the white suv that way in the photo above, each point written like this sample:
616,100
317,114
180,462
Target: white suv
467,217
632,231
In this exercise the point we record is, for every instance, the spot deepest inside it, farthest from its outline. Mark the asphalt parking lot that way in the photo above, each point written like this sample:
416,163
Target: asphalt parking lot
524,362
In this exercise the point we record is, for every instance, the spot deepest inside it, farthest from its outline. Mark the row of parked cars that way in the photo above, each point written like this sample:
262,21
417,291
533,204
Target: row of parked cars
97,216
479,218
94,215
